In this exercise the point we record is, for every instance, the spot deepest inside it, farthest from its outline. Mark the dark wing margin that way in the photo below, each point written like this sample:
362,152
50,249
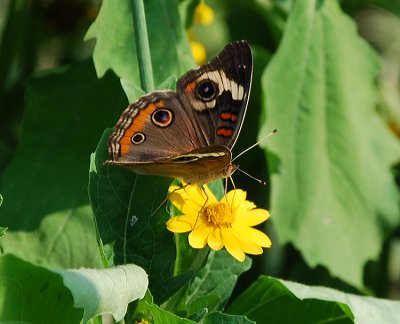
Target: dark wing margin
220,118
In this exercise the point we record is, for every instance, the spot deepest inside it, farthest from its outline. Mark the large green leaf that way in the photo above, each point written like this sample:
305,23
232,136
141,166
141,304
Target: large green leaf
130,213
268,301
32,294
105,291
365,309
46,205
115,43
333,195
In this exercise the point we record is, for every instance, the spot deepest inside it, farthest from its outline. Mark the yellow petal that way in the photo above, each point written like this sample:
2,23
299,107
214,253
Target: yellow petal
247,245
181,200
214,239
252,217
187,207
253,235
198,237
191,199
180,224
235,198
245,206
173,188
206,194
232,245
199,195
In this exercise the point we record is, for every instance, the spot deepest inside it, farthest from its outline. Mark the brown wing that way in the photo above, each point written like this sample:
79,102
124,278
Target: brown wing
198,166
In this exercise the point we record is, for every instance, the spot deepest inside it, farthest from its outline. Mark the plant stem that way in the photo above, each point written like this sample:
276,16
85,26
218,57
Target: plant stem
15,36
142,46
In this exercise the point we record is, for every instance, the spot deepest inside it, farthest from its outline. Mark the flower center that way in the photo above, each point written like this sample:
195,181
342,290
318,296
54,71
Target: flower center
219,214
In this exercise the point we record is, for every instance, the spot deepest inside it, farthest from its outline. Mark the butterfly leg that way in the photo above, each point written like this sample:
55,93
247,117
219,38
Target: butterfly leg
166,199
202,207
234,188
226,187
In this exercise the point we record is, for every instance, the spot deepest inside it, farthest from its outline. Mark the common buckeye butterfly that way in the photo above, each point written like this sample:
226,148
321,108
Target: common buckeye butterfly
188,133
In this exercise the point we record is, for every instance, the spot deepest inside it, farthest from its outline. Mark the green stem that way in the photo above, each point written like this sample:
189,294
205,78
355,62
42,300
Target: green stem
15,35
142,46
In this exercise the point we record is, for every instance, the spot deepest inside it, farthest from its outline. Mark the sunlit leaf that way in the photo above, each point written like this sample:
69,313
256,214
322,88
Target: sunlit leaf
105,291
333,195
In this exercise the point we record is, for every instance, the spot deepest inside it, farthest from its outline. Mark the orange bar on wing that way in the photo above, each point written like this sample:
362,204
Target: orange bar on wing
225,115
226,132
124,149
228,116
190,87
140,121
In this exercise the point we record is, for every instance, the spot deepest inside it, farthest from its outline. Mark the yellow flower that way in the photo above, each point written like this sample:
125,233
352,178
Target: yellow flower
203,14
198,52
225,223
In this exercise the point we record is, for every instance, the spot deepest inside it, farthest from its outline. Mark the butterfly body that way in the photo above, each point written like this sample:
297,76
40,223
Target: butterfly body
188,133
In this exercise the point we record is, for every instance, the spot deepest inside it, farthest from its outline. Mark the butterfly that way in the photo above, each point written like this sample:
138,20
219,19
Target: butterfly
188,133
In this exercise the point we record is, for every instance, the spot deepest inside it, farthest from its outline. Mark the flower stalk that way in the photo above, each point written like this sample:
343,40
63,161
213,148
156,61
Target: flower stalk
142,46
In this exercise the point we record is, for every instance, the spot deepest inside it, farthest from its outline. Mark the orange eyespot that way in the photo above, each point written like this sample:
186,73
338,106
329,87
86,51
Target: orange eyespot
162,117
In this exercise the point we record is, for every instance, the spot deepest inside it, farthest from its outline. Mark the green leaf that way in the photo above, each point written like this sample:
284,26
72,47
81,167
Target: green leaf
268,301
216,279
32,294
132,91
117,197
149,311
211,287
220,318
115,43
333,195
365,309
105,291
46,205
35,294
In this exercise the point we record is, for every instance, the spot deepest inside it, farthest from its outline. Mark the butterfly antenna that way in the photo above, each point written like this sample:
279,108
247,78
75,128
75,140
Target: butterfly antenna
254,178
254,145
